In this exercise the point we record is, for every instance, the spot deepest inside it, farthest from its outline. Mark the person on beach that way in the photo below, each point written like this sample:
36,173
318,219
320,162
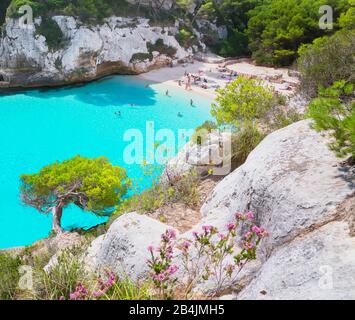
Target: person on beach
167,93
191,103
188,82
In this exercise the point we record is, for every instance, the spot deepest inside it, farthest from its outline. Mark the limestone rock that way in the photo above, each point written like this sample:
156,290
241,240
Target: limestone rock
87,52
123,249
317,266
291,181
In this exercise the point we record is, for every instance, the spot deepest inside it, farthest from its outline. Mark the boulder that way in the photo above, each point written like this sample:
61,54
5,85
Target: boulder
213,154
291,181
123,249
318,266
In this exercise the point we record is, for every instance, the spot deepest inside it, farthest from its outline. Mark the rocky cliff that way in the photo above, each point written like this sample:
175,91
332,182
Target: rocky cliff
299,191
118,45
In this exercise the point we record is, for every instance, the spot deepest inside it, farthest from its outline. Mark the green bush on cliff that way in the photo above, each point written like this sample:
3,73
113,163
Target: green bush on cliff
334,111
51,31
327,60
243,100
277,28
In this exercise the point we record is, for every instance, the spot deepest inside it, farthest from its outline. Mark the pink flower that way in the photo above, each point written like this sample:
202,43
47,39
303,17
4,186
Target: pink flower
150,249
231,226
239,216
171,233
248,235
259,231
172,269
250,216
186,244
221,236
61,298
248,245
160,277
207,228
74,296
111,280
195,234
98,294
255,229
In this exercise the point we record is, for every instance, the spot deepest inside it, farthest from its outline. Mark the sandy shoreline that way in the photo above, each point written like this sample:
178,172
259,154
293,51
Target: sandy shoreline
170,77
279,79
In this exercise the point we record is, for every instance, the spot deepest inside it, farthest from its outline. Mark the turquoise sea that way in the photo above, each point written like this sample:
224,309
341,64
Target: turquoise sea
38,127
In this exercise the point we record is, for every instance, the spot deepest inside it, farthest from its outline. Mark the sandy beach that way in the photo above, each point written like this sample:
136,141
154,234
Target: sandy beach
218,75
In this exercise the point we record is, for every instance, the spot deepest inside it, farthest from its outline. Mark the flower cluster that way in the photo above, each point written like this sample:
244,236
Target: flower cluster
161,266
101,288
103,285
210,254
80,293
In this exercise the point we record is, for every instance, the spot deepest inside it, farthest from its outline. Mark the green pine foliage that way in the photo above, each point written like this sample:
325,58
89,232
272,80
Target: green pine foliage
334,111
94,185
277,28
242,100
327,60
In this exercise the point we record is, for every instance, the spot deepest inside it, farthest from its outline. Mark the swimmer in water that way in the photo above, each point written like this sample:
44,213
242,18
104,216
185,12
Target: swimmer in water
167,93
191,103
180,115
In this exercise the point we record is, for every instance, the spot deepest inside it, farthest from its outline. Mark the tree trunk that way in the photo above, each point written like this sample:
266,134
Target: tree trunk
57,217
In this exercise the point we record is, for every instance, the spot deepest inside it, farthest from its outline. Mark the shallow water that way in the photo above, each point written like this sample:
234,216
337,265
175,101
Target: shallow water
39,127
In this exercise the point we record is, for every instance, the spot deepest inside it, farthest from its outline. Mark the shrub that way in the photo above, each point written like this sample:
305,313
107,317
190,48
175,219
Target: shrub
161,266
326,61
242,100
162,48
186,38
180,189
9,276
141,56
63,277
277,28
334,111
51,31
110,287
281,117
212,254
244,141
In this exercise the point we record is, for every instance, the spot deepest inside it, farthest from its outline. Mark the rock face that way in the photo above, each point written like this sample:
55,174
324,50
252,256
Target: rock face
120,45
303,196
292,182
123,249
297,189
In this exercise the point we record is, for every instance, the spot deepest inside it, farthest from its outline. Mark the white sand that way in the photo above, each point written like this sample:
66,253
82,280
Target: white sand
210,71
